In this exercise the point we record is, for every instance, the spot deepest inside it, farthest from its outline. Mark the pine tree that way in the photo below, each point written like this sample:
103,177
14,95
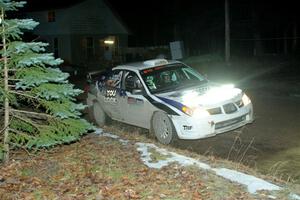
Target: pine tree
37,102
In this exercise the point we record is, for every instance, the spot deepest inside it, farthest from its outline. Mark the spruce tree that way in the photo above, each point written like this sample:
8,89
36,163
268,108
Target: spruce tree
37,103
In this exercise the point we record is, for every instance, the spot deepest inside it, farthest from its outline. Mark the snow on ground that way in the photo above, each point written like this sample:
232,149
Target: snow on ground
252,183
172,157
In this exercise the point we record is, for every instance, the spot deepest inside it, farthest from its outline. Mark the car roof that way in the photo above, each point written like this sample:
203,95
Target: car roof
136,66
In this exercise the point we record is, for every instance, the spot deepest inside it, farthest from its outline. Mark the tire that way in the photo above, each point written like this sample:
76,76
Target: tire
163,128
99,115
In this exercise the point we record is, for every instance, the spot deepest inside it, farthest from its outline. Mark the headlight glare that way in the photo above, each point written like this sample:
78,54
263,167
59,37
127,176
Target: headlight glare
195,112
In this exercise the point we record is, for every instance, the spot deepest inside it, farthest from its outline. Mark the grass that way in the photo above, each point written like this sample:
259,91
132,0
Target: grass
102,168
156,156
286,167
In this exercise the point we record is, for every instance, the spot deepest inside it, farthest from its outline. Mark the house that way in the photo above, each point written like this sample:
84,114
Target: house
86,34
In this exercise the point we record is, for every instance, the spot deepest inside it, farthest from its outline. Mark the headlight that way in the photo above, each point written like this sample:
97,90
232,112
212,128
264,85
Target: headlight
246,100
195,112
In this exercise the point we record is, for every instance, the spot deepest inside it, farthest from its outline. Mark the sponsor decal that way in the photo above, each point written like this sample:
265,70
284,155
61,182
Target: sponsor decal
152,69
187,128
110,95
131,100
137,101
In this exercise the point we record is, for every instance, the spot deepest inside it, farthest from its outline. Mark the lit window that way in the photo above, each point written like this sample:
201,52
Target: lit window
51,16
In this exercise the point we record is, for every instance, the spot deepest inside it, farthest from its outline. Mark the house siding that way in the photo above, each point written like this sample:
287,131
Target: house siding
72,25
79,54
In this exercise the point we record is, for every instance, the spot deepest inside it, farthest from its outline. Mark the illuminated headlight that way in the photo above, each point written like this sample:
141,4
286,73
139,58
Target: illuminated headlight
246,100
195,112
227,86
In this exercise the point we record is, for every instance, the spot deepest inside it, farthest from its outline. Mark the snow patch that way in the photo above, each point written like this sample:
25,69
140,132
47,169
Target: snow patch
253,184
294,196
100,132
172,157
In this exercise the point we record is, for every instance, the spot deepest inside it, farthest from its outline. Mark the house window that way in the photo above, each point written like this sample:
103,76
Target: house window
51,16
55,47
89,47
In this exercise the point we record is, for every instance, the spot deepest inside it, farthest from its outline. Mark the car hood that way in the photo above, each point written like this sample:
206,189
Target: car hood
205,95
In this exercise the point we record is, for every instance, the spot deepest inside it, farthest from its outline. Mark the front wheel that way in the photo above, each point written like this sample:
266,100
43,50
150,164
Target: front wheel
163,128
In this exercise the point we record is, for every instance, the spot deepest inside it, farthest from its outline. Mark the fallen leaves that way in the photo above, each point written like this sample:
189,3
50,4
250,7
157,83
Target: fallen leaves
97,168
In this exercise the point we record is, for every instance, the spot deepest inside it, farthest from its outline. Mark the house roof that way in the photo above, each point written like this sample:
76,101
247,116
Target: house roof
38,5
116,14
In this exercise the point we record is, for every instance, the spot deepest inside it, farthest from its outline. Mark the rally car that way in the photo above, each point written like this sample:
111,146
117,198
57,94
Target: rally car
170,99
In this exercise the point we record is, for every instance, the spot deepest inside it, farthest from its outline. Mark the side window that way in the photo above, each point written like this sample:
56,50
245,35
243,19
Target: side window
109,79
117,77
132,82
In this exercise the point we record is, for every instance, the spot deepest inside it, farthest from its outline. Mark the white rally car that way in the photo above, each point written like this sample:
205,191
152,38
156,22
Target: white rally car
170,99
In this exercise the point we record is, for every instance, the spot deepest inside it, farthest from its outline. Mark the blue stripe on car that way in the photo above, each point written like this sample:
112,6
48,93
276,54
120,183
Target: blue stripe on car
160,105
172,103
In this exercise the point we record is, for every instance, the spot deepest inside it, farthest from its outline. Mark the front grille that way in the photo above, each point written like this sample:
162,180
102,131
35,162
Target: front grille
214,111
202,90
229,108
230,122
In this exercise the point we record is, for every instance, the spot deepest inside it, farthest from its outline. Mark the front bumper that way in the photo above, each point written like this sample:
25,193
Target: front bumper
196,128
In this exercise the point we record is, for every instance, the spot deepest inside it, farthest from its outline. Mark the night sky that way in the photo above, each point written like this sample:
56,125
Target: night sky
143,17
159,22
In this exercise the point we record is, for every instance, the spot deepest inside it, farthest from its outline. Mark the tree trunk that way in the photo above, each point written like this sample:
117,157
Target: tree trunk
257,46
285,42
294,44
6,102
227,32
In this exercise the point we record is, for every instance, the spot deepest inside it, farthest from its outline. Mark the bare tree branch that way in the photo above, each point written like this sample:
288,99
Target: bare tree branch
25,119
34,114
14,79
23,94
19,132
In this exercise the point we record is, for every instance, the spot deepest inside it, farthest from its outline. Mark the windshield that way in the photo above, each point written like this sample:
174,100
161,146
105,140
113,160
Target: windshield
171,77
